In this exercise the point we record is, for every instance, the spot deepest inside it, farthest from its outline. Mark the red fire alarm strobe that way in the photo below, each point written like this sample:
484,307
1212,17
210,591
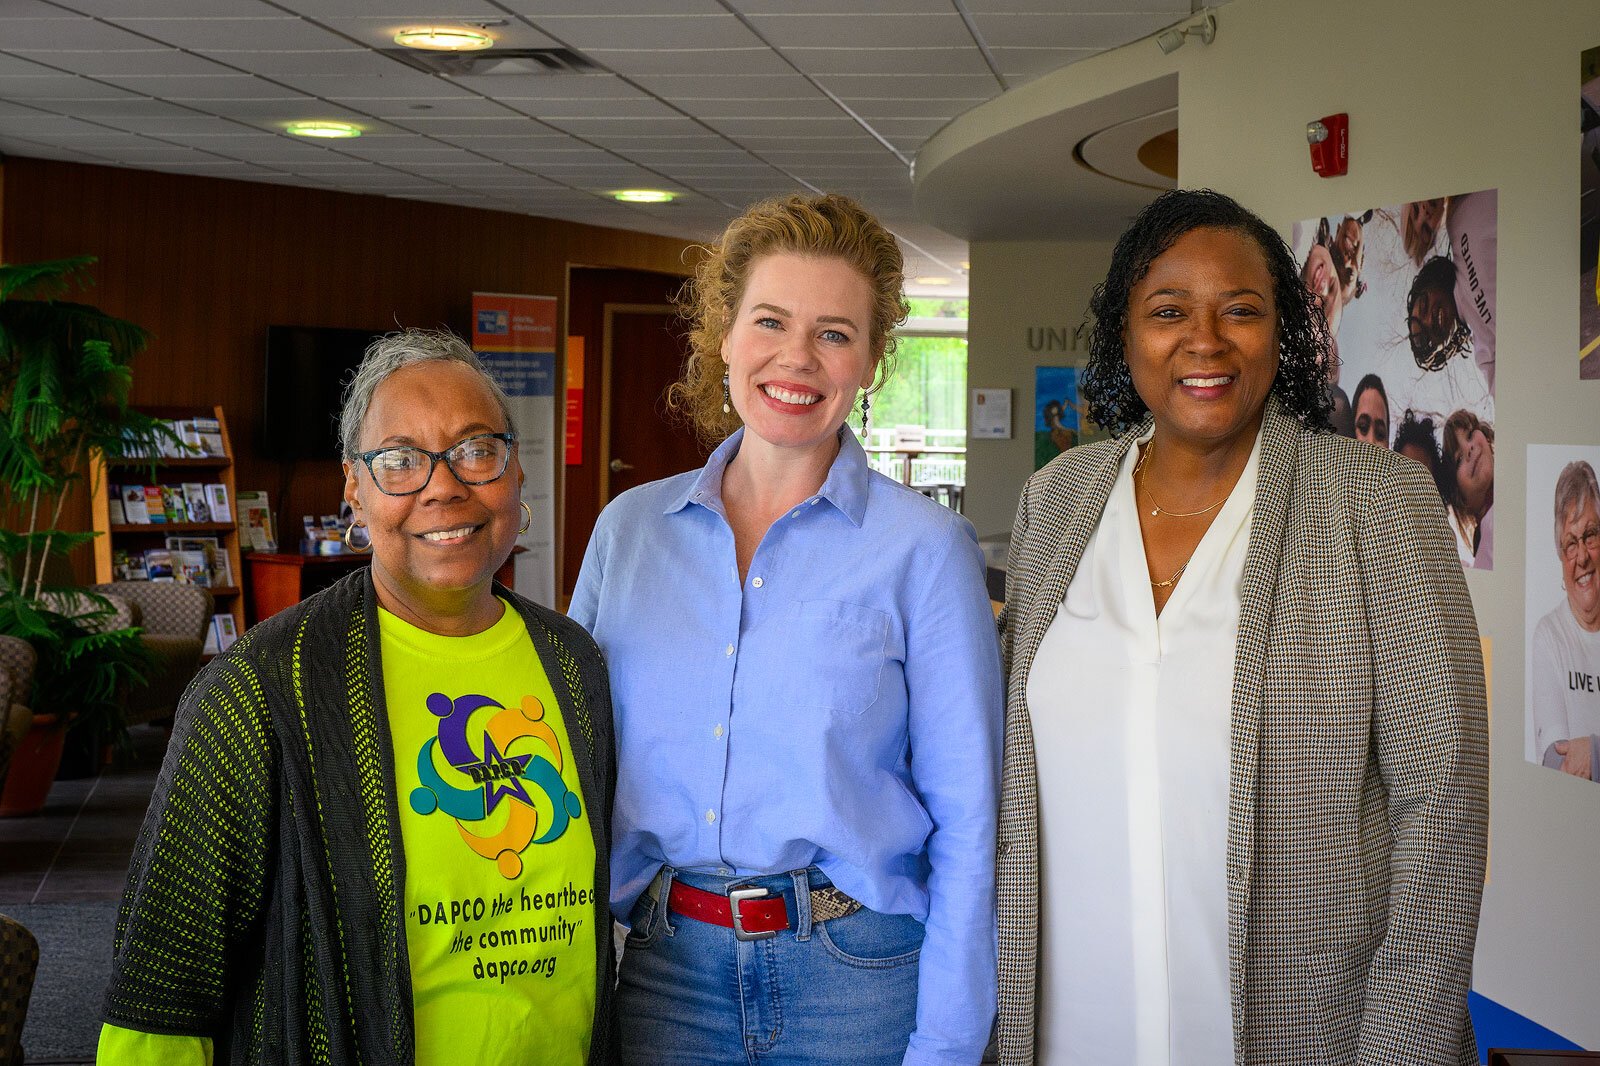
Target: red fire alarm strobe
1329,137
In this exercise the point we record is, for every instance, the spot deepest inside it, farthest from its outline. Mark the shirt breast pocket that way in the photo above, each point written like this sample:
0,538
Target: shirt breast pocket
844,646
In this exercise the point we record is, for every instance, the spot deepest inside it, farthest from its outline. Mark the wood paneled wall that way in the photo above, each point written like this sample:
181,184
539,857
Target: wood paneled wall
207,265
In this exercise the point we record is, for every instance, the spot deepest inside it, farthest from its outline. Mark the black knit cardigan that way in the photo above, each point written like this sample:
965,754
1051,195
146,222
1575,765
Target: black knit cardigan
265,895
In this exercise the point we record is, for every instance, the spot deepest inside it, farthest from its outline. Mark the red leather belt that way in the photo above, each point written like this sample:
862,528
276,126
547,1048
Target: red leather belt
752,912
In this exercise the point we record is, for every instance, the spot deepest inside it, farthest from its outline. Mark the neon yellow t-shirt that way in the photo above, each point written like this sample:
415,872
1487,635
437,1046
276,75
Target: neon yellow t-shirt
499,885
499,893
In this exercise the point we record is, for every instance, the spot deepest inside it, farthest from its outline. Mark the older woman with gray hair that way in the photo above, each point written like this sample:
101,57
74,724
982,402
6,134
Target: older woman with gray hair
380,834
1565,714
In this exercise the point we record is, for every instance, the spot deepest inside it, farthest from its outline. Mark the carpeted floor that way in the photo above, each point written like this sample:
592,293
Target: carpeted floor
74,961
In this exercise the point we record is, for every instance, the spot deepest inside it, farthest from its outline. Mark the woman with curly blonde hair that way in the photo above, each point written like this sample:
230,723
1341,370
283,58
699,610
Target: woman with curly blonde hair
807,690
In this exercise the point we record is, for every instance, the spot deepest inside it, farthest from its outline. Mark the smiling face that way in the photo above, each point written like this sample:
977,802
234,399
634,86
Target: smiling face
435,551
1578,544
1431,318
798,350
1202,338
1474,469
1372,418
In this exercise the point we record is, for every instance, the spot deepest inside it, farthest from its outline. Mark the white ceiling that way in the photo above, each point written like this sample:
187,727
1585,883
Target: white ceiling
722,101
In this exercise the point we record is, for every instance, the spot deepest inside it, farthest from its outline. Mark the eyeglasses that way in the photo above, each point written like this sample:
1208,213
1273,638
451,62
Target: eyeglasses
1589,538
407,470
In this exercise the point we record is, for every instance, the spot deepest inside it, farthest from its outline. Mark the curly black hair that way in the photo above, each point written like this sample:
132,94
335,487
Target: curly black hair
1438,274
1303,340
1420,434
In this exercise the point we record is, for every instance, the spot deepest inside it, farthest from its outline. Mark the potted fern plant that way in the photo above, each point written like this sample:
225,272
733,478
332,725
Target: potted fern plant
64,381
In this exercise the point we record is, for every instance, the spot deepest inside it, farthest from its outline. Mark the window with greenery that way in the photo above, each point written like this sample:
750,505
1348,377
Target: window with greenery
929,386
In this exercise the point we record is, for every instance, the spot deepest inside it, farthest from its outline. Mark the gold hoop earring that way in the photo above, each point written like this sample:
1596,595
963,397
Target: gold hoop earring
527,519
349,545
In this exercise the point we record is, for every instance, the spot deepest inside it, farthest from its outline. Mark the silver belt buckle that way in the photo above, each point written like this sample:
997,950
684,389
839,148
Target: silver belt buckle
737,896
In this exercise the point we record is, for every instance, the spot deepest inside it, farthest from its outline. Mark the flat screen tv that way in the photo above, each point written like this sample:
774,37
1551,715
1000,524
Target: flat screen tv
307,368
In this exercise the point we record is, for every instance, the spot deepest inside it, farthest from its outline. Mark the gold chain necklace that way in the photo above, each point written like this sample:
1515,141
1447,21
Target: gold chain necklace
1156,508
1173,580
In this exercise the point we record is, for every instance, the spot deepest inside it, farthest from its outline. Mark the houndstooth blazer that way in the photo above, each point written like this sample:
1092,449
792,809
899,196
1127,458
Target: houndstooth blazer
1358,803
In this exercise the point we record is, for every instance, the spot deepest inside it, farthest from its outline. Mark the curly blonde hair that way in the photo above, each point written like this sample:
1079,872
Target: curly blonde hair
825,226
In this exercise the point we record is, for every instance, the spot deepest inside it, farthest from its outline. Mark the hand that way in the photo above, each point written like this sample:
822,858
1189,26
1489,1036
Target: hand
1575,756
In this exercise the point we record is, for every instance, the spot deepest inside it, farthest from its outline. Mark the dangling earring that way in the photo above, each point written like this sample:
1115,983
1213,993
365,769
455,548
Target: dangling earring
727,397
865,405
527,518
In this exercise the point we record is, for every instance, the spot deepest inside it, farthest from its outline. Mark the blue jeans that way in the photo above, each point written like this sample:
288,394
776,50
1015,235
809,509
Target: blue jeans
843,992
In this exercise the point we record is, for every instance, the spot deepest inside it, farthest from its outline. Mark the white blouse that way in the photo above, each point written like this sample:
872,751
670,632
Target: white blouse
1130,718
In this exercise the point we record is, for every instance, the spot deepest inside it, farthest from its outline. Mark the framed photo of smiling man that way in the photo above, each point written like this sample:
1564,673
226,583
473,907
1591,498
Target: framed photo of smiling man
1563,610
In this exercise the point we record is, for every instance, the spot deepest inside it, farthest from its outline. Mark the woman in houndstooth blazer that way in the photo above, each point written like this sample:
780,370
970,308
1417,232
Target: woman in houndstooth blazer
1243,820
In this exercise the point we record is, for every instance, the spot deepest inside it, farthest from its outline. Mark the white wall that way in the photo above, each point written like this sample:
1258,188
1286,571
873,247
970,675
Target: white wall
1017,285
1449,96
1444,96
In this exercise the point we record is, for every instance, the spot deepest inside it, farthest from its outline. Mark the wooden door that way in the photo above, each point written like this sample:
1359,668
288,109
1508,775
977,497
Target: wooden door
644,350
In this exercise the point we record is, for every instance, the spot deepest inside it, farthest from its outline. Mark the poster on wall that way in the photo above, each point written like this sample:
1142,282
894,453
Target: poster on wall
515,338
1058,412
1562,730
1409,294
1589,219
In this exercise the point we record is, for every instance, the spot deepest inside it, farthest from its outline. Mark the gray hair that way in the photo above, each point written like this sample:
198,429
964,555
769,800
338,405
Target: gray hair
395,351
1575,485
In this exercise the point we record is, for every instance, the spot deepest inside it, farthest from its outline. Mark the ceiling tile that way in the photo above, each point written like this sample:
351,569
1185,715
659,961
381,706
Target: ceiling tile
174,126
538,9
941,61
284,33
168,62
817,106
836,125
175,8
70,34
892,86
349,62
933,107
675,31
224,85
943,29
1101,29
11,66
593,128
641,63
426,10
123,106
639,106
30,9
840,7
1171,10
714,82
431,108
395,82
1017,63
56,87
511,87
513,126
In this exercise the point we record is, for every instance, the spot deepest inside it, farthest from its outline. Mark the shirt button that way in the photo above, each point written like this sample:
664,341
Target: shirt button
717,732
711,816
795,515
723,871
729,650
757,582
815,502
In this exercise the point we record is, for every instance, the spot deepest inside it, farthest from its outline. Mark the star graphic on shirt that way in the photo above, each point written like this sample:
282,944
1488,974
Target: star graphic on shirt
497,783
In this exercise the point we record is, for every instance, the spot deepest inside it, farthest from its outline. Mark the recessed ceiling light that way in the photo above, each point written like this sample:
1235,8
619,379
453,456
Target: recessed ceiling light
931,281
644,196
444,39
324,129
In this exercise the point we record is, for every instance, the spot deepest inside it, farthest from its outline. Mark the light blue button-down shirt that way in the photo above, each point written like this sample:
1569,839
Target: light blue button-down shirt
842,707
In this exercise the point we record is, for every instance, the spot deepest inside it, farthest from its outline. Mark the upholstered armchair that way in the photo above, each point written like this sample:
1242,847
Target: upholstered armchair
17,660
174,618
